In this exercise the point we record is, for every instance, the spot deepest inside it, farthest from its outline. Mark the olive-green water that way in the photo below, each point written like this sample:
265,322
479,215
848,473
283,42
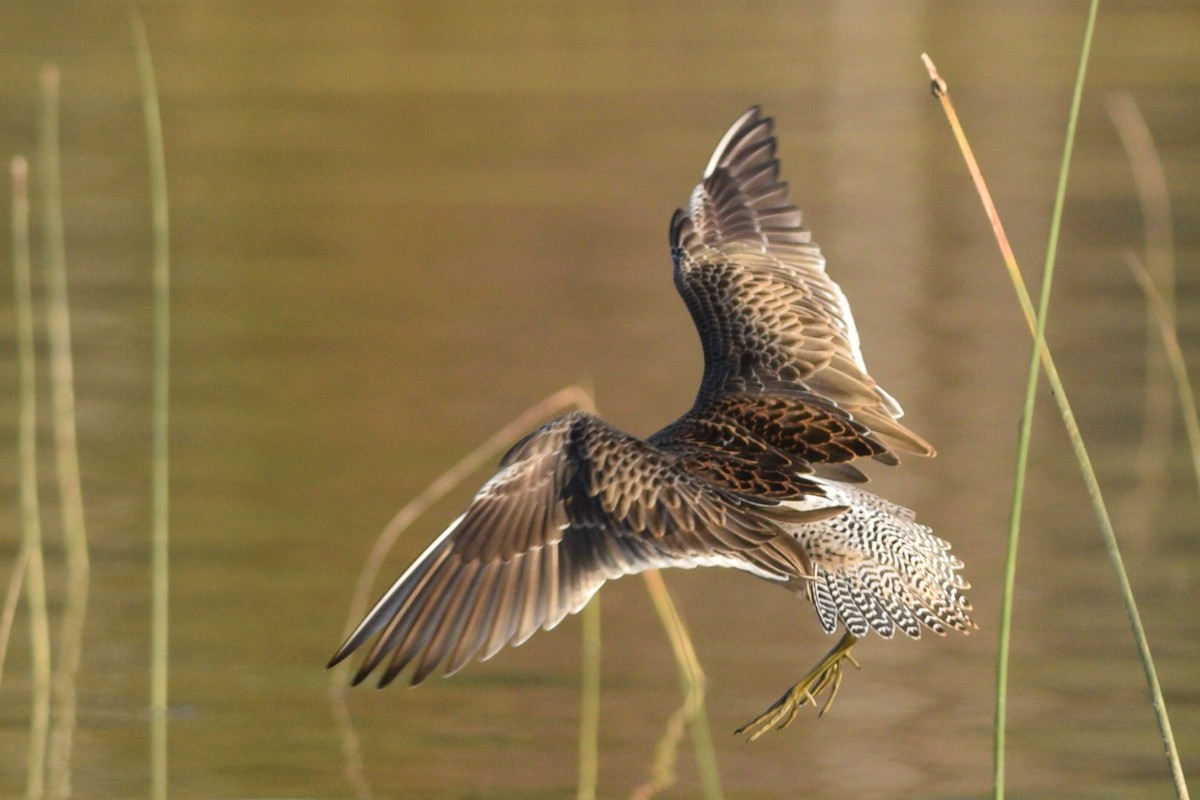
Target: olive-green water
394,226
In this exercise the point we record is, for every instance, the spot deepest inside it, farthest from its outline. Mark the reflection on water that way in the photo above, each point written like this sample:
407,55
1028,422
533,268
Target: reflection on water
395,228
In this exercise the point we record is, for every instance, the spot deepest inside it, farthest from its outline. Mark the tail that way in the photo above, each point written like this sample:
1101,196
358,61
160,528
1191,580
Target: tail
874,567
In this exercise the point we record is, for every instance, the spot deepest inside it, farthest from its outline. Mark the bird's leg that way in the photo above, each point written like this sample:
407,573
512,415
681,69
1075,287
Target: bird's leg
827,674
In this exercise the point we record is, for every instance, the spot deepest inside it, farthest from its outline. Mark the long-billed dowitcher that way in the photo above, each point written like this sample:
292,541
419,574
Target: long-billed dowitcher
758,475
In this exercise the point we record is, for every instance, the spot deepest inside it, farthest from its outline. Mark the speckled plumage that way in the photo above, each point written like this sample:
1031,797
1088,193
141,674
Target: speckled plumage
757,475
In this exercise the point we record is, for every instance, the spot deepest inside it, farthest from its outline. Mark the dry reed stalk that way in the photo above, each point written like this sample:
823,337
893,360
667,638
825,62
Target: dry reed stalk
692,681
66,445
31,524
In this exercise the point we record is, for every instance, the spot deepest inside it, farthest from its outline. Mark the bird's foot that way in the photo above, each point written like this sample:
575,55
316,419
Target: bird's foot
826,675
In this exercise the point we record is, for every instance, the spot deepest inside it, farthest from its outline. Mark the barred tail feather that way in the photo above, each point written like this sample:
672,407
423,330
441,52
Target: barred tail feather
876,568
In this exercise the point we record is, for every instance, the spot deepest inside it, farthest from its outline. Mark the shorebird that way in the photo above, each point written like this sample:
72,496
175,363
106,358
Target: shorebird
758,475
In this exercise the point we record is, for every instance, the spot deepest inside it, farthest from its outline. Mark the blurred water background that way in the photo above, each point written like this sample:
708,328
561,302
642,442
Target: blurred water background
395,225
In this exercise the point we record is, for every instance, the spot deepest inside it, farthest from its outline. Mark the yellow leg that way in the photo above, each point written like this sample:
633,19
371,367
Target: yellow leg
825,675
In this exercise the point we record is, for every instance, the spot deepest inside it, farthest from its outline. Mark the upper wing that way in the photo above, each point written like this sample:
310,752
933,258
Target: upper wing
755,284
574,504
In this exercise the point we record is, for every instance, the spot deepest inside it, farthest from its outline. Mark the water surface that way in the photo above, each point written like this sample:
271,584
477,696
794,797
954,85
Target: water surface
397,225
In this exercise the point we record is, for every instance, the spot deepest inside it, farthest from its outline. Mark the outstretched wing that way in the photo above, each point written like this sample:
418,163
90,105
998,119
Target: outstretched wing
574,504
755,283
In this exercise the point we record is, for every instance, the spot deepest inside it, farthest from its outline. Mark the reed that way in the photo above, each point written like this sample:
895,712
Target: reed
31,525
66,449
1027,411
692,681
589,702
1150,180
159,479
1155,275
12,596
1041,353
1160,313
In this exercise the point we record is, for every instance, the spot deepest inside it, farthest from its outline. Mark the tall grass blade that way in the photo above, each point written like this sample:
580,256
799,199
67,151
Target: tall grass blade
1077,445
1150,179
692,680
66,451
159,477
31,524
590,663
1026,433
12,596
1154,198
1160,312
589,702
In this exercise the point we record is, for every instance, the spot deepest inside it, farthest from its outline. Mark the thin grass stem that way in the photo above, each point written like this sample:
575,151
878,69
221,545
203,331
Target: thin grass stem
1077,445
692,680
1154,198
589,702
16,580
31,524
590,673
1165,320
1027,412
160,475
66,450
1150,178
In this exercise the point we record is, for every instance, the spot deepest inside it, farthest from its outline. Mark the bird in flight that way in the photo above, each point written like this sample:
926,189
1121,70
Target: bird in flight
761,474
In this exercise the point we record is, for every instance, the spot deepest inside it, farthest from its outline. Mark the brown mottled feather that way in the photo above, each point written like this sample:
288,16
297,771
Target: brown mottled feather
767,444
576,503
755,284
756,476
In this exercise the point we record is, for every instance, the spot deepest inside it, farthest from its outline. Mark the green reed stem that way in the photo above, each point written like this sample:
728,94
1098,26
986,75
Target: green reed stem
31,524
159,479
1031,385
66,451
1077,446
589,703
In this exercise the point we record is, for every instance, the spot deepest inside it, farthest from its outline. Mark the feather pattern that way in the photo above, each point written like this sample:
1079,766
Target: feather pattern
758,475
576,503
755,283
